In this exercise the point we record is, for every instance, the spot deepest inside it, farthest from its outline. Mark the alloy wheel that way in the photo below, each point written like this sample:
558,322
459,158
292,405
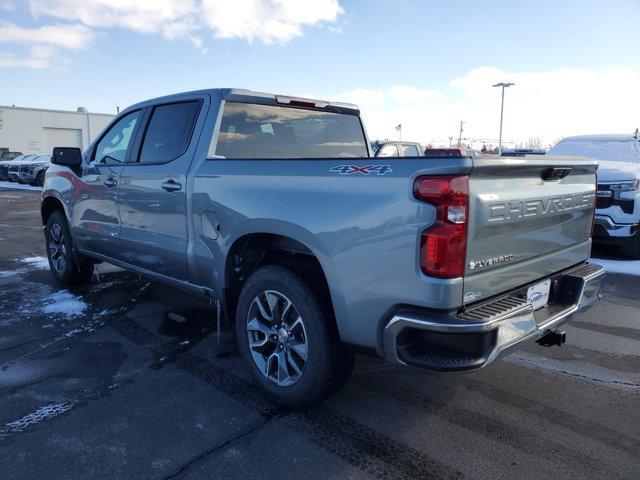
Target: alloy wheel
57,248
277,338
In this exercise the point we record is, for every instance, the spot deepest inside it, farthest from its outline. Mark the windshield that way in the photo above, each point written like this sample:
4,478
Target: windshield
269,131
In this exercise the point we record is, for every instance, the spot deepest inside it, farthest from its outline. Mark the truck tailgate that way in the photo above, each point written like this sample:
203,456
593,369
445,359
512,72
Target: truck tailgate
528,218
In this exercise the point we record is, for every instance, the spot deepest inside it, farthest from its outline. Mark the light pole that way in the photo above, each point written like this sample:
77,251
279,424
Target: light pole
503,85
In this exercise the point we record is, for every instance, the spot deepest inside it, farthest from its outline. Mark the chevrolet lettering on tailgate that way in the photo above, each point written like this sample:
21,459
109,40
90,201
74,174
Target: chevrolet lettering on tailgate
505,211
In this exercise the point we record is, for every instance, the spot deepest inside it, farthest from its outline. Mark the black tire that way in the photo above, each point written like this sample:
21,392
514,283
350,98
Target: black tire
327,364
61,254
39,180
632,248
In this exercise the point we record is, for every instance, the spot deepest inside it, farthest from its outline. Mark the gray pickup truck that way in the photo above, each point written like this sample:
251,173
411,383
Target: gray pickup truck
274,207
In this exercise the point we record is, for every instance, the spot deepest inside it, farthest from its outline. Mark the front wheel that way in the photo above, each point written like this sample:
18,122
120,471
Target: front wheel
285,337
632,248
62,261
39,180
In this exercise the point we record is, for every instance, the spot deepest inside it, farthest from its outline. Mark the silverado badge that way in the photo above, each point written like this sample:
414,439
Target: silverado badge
487,262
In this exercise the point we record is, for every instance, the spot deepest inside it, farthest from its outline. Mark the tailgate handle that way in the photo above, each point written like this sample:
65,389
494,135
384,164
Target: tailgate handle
555,173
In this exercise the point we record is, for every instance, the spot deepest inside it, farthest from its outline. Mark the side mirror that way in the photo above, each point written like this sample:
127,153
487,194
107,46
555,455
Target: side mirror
66,156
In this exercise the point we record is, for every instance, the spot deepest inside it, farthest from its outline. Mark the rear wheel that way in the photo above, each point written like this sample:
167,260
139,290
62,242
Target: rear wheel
285,337
60,252
39,179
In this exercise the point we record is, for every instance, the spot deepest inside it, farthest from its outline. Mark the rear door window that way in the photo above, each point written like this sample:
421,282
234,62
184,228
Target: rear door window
269,131
169,131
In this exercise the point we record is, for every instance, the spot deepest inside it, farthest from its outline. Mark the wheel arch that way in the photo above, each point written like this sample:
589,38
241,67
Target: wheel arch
49,205
251,251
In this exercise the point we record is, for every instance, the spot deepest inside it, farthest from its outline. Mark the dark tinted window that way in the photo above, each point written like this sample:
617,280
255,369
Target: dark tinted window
267,131
168,132
442,153
113,146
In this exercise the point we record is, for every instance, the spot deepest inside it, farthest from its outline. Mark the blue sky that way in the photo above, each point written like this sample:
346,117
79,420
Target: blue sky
425,64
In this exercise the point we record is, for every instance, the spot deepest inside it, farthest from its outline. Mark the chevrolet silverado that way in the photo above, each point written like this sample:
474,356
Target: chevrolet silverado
274,207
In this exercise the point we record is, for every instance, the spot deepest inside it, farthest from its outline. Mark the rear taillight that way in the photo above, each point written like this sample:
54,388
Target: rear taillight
443,246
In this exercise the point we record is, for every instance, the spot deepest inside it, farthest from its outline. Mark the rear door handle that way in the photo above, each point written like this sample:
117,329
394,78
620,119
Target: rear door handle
171,186
110,183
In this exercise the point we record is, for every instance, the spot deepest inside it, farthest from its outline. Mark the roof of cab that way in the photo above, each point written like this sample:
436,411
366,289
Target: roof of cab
250,96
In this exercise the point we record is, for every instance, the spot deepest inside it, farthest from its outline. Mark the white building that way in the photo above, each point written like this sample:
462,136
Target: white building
35,130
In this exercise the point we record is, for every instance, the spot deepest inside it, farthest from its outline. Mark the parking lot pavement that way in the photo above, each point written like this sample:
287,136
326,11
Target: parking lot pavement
123,378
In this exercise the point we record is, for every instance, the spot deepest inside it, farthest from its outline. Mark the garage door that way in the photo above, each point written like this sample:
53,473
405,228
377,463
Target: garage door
61,137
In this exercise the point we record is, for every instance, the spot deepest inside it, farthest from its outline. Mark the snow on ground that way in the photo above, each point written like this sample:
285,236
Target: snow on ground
18,186
629,267
12,273
64,303
39,262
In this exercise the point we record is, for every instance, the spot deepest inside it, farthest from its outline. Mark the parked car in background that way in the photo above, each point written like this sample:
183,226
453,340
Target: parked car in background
453,152
521,152
396,149
273,207
618,202
4,168
19,165
32,171
6,155
8,170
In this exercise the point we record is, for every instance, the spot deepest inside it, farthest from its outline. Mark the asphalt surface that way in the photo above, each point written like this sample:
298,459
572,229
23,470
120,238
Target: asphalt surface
123,378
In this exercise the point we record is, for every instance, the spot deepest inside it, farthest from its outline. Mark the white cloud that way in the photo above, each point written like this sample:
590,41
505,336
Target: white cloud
550,104
73,37
44,44
147,16
407,94
12,61
266,20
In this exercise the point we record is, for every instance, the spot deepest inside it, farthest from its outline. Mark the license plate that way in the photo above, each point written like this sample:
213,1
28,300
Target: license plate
605,193
538,294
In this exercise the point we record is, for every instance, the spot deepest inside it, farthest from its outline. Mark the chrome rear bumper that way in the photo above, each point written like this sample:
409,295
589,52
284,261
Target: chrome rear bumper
479,334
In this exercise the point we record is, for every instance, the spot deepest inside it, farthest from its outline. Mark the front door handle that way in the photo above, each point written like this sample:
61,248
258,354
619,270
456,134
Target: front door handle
171,186
110,183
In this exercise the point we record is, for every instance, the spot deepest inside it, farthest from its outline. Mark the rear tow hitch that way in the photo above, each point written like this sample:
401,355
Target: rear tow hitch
553,338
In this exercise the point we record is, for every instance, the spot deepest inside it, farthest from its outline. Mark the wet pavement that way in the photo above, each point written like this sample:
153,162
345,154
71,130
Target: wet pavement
123,378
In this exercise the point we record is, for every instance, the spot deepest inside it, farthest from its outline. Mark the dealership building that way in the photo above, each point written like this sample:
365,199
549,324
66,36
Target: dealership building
35,130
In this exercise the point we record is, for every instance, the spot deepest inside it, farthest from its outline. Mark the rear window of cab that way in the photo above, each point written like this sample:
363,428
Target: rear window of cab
252,131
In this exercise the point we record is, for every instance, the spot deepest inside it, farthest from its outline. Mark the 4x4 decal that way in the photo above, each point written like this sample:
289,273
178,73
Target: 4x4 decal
365,170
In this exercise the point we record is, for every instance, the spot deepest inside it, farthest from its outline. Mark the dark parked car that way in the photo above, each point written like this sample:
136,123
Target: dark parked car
6,156
453,153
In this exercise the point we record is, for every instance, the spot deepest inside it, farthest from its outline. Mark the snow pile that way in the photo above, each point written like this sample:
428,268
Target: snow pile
18,186
629,267
64,303
40,263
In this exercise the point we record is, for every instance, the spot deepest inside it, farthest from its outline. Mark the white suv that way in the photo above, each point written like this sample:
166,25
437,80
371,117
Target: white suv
618,208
